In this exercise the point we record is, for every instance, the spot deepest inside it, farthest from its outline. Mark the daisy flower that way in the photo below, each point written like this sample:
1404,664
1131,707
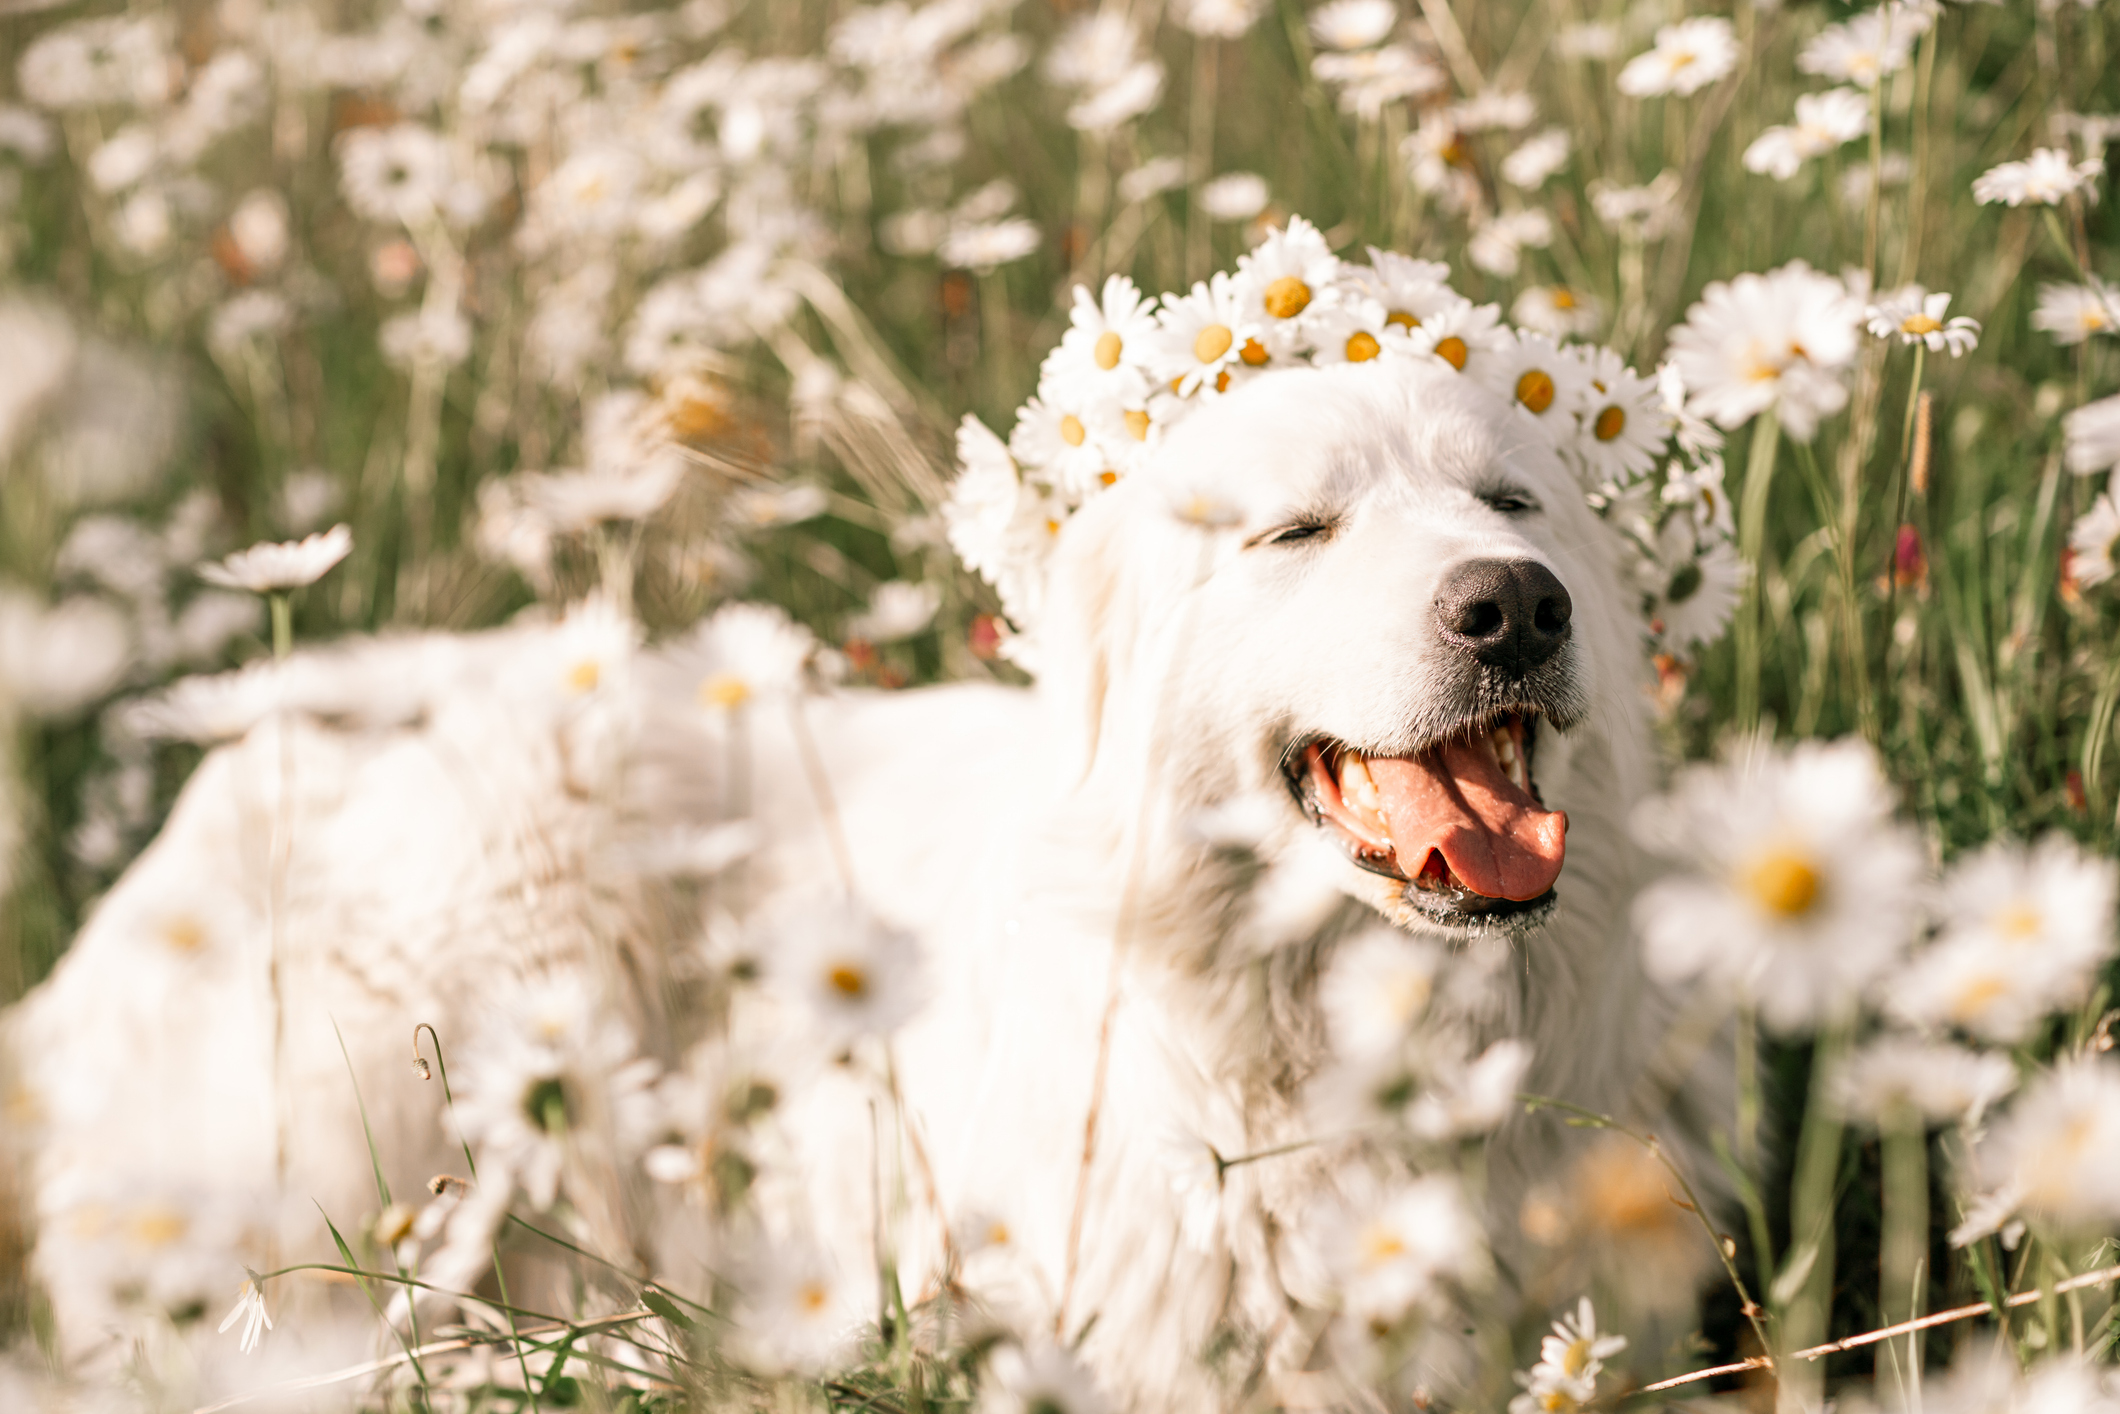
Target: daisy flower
1867,47
1556,310
1470,338
1355,331
1694,587
982,499
1198,336
1936,1081
1379,986
1543,382
267,568
1125,98
2046,178
1494,110
250,1310
2092,541
57,659
1823,122
400,174
1688,57
551,1069
1700,491
1235,196
743,653
1410,290
1219,19
2072,313
1286,275
1797,887
1778,341
1105,340
1038,1379
1440,164
1458,1101
795,1311
1575,1350
1353,24
989,245
1392,1247
1370,81
1916,316
1054,438
843,970
2057,1154
1694,433
2091,435
1537,158
1640,213
2028,929
1621,426
1497,246
897,609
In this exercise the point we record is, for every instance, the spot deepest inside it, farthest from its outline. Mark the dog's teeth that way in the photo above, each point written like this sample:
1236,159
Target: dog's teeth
1357,787
1508,758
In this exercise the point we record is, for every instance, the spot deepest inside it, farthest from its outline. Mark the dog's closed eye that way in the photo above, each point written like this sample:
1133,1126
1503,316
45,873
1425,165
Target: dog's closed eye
1293,533
1509,500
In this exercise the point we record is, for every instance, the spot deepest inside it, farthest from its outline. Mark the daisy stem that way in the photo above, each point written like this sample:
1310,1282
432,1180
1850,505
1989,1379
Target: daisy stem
282,624
1906,479
1200,157
1751,534
1809,1265
1905,1157
2068,249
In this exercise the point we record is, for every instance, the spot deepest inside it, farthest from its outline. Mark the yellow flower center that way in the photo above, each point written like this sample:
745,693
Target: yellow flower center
156,1227
1361,346
724,690
848,980
1974,997
1453,352
1381,1244
1401,318
1535,390
1108,349
183,934
1107,477
1212,342
2093,318
997,1234
583,676
2019,923
1782,883
1562,299
1253,353
813,1297
1222,381
1071,430
1610,422
1287,297
1137,423
1919,324
1577,1356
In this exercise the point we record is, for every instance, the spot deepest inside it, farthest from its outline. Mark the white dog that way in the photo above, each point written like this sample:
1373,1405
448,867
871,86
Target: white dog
1358,608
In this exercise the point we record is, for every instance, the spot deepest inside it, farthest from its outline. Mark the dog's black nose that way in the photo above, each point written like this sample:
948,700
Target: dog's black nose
1509,614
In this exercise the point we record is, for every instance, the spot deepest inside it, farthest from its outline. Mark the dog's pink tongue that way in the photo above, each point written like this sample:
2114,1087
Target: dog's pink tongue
1456,799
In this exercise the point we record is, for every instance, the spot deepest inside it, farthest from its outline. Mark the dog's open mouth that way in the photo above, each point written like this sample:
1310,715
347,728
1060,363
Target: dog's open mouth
1460,821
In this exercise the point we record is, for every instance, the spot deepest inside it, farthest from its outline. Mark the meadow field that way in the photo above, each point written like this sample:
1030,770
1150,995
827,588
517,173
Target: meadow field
652,332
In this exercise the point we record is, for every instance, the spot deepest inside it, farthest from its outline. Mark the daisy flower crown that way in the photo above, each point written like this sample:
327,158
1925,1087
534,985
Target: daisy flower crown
1130,368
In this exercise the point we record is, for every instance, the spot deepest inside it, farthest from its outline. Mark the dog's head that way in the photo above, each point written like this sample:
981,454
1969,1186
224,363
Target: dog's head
1367,590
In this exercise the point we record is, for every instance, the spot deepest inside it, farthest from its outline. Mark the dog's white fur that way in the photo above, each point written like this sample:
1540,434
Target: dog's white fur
1040,845
1178,662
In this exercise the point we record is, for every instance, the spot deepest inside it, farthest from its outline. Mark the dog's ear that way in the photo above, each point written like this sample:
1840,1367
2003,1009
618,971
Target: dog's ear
1110,591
